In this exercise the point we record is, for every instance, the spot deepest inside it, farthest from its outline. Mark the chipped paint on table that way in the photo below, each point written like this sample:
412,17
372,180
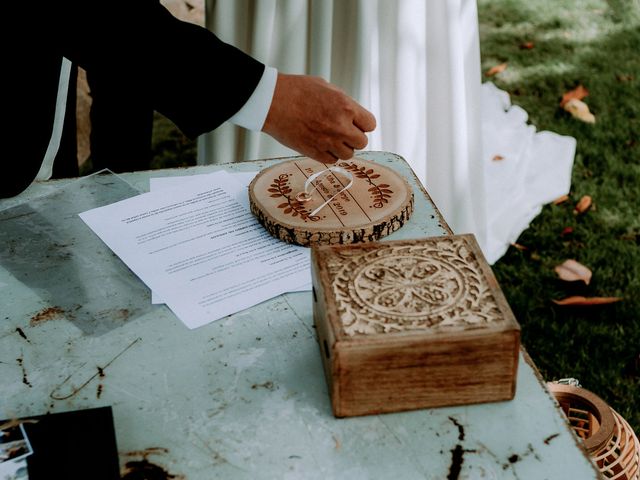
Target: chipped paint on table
243,397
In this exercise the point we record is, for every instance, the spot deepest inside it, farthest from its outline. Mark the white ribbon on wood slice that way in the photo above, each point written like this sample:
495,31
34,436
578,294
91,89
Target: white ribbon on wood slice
306,195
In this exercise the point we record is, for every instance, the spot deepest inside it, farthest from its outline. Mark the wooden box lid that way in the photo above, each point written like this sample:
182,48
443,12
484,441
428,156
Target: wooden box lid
377,203
412,323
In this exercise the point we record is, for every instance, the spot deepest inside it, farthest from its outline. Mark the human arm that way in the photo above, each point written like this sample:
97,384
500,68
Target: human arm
307,114
189,75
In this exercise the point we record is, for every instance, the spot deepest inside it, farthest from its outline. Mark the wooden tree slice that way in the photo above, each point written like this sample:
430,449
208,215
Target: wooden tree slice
378,202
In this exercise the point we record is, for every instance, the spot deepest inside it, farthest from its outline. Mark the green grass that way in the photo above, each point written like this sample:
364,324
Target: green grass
170,148
594,43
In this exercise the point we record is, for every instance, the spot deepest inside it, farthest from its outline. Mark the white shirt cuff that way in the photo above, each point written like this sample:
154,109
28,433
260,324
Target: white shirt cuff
253,114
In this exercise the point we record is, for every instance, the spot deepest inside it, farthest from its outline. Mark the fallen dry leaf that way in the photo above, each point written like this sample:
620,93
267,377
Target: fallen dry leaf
624,78
496,69
580,110
497,158
527,45
566,231
577,93
571,270
586,301
583,204
561,199
519,247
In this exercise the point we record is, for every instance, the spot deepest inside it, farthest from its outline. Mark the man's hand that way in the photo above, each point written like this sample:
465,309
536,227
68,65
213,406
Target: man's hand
317,119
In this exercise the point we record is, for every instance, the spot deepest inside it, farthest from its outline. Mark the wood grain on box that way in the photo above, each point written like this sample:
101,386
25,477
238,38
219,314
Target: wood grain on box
412,324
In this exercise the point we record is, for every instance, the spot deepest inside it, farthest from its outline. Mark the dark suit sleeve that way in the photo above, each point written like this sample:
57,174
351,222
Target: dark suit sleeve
176,68
179,69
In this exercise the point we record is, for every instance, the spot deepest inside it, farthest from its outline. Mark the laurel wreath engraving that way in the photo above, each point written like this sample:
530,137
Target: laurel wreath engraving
280,188
380,193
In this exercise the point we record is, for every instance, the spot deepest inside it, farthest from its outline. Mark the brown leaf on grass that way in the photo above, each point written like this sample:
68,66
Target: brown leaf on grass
571,270
522,248
561,199
586,301
580,110
497,158
527,45
496,69
621,77
583,204
577,93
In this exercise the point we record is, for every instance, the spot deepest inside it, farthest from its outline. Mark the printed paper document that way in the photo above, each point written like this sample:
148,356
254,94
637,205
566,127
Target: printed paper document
199,248
243,179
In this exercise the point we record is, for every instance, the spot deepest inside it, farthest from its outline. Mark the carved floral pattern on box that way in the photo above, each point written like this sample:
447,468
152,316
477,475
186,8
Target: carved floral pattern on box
395,288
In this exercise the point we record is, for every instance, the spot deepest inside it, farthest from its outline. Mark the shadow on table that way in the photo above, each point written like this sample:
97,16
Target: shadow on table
47,247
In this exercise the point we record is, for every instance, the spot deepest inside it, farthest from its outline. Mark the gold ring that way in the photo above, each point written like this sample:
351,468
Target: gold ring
303,197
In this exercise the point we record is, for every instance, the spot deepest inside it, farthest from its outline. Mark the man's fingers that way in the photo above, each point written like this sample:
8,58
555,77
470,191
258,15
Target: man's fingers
364,120
357,140
324,157
342,152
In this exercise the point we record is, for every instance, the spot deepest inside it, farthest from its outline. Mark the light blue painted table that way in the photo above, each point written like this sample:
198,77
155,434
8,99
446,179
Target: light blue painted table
243,397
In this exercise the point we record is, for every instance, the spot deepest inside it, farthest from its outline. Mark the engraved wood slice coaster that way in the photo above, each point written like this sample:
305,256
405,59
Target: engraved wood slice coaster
378,202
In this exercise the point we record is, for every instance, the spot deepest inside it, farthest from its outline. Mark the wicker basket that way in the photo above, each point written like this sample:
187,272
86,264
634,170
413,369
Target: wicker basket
607,437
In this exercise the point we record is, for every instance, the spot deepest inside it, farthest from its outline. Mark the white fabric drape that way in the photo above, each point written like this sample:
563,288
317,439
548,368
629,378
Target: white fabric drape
414,64
46,169
533,169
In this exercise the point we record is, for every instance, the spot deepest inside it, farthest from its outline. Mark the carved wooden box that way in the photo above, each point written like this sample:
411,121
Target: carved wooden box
411,324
